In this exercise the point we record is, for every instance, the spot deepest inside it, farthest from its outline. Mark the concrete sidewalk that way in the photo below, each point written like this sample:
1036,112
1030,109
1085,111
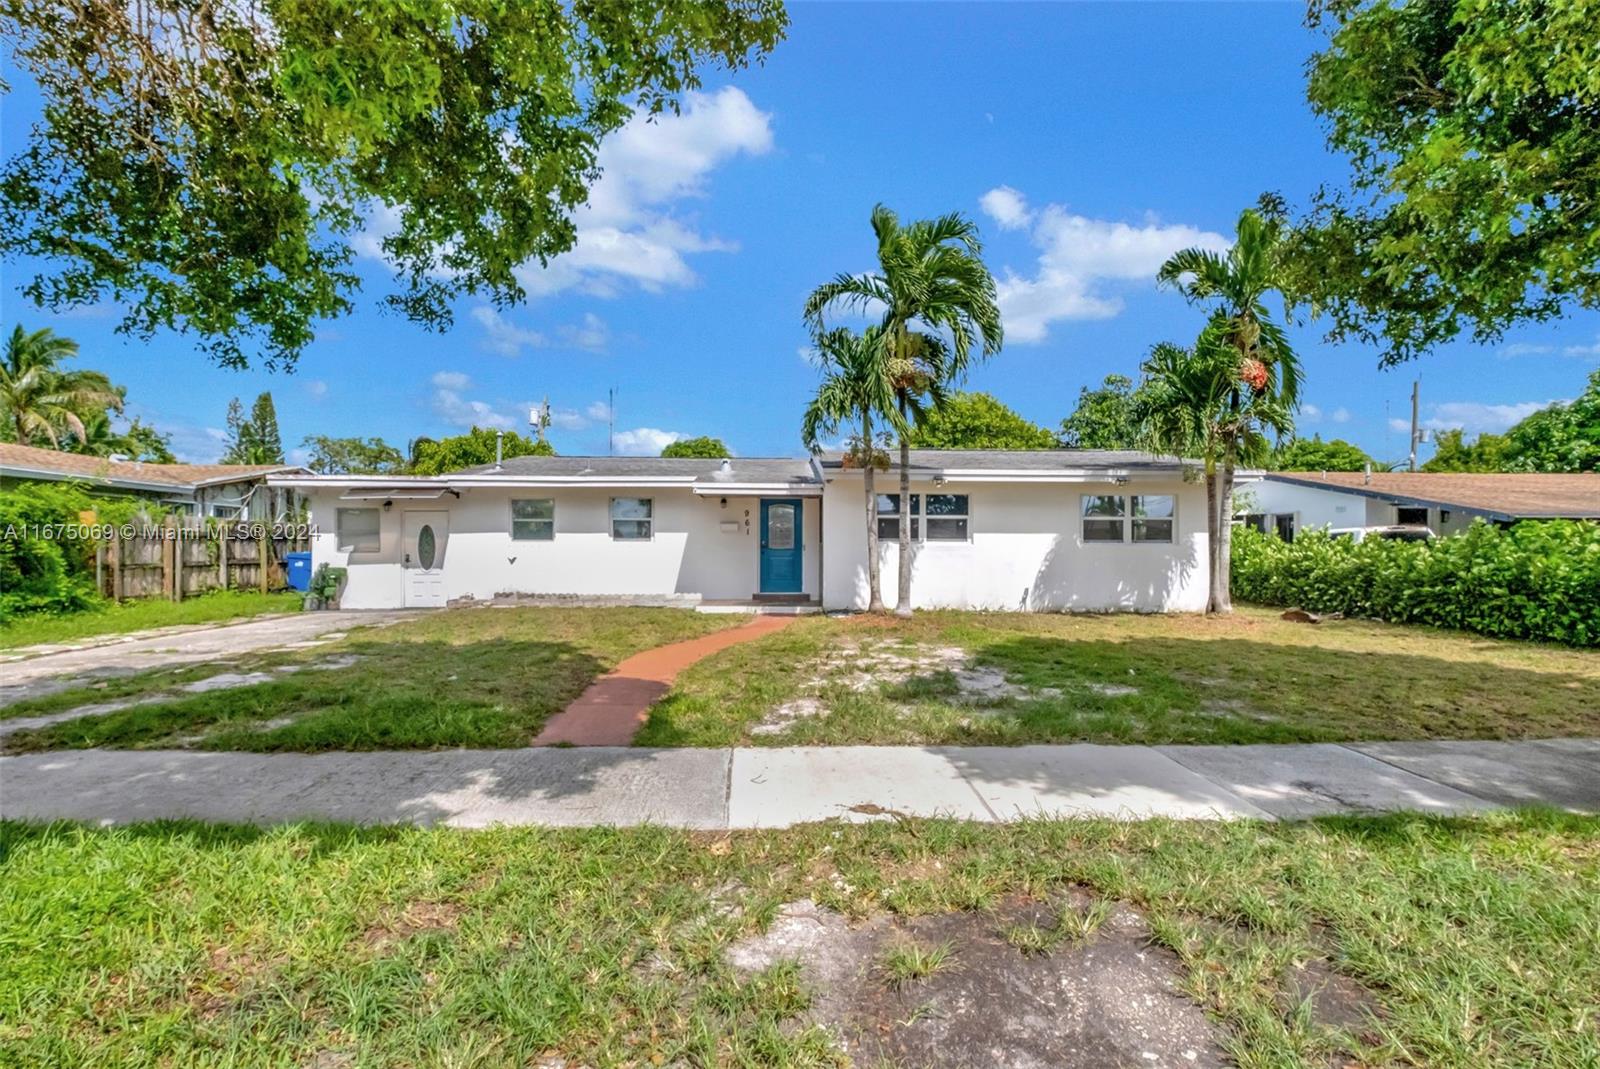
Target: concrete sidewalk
748,788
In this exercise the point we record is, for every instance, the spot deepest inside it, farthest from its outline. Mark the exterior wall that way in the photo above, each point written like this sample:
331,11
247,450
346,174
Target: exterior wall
689,553
1024,551
1314,507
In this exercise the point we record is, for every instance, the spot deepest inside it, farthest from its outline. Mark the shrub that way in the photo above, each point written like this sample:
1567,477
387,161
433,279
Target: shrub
1539,579
44,565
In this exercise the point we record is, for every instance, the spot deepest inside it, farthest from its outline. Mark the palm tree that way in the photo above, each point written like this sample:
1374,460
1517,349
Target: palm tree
38,399
930,275
1241,379
855,390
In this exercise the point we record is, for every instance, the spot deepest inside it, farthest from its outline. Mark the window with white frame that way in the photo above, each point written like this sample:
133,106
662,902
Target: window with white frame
1139,518
225,512
533,519
1104,518
946,517
1153,516
358,530
631,519
889,517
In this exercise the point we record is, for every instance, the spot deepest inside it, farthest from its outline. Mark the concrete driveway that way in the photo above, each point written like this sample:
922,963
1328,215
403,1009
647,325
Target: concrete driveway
34,671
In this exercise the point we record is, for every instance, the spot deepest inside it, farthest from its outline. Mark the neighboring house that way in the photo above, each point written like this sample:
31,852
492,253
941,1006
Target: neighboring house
1056,529
221,491
1446,502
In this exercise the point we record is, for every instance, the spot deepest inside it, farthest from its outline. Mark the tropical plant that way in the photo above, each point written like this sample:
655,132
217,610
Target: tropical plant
702,448
937,302
856,390
1106,418
978,421
40,402
216,166
1241,379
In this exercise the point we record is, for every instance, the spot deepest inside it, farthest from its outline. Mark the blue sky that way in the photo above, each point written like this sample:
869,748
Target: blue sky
1088,140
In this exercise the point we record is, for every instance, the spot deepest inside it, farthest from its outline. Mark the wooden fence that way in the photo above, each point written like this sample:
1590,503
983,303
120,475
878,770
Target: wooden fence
175,562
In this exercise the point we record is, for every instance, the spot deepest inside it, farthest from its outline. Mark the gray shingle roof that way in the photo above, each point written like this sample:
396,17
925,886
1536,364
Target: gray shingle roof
740,469
937,460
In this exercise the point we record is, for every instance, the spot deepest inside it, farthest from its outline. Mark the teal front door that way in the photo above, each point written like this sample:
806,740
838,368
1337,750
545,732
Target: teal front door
781,549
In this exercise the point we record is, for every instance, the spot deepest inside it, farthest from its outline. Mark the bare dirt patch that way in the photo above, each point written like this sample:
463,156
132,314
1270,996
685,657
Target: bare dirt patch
1111,999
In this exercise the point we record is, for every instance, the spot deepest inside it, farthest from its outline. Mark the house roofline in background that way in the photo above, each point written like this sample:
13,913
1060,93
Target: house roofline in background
1396,498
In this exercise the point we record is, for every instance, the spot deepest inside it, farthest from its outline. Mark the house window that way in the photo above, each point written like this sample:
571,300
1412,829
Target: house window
1153,516
1284,525
358,530
889,517
1104,517
1411,517
533,519
631,519
225,512
1256,521
947,517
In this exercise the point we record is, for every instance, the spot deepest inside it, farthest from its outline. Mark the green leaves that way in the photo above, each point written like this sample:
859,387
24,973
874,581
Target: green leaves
1538,580
978,421
210,167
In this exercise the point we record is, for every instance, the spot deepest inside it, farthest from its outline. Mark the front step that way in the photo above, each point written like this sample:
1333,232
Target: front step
782,599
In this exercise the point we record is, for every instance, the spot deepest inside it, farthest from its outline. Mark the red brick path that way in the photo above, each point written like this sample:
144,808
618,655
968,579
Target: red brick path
616,705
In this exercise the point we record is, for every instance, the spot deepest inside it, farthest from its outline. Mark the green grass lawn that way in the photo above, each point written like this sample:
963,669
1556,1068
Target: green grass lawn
1471,942
1126,678
459,677
140,615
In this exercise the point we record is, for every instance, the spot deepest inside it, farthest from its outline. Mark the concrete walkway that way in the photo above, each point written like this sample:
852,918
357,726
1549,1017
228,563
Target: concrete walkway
748,788
615,706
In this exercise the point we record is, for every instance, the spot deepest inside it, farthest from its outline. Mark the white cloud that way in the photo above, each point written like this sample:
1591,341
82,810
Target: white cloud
598,411
1310,413
1078,255
1007,207
592,334
643,441
456,410
626,232
566,419
1516,349
1474,417
501,335
1583,350
1340,415
316,389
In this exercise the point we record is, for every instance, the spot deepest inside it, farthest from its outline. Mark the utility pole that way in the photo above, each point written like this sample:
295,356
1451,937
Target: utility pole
1416,432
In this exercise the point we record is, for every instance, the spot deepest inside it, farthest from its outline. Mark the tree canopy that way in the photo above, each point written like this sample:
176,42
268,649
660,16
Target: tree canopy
353,456
1313,454
1472,129
430,456
1106,418
705,447
978,421
212,167
1565,437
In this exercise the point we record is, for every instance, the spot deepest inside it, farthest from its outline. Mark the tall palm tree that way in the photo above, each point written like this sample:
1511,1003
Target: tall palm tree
39,400
855,390
1241,379
936,302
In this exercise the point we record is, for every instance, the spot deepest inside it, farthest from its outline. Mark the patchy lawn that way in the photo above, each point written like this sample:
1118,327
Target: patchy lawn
966,678
142,615
460,677
1396,941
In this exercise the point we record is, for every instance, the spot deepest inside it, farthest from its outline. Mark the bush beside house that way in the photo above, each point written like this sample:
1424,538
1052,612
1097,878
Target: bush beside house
1537,580
44,565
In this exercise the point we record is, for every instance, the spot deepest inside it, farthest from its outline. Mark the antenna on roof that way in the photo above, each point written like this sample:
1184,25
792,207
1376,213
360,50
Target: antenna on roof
611,421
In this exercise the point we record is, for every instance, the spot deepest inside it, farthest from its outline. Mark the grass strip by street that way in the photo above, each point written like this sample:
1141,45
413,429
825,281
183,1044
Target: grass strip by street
949,678
1467,942
472,677
141,615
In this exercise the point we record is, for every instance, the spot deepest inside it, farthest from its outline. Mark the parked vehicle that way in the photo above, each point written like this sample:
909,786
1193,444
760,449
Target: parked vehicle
1395,532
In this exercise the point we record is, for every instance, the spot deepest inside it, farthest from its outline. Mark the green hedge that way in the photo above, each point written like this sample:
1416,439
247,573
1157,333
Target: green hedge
1537,580
43,567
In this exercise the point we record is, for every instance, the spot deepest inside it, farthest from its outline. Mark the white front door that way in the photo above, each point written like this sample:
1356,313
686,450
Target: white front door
422,563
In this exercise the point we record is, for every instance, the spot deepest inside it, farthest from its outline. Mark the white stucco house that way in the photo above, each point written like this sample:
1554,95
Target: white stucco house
1029,530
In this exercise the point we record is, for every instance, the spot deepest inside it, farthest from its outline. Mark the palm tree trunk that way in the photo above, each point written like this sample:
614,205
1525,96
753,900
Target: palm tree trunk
904,606
874,581
1225,531
1213,540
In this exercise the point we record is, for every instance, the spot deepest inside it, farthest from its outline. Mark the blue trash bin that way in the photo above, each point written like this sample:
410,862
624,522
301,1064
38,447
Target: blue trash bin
298,567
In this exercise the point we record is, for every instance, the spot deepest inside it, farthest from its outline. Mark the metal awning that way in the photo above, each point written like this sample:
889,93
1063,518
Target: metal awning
390,493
